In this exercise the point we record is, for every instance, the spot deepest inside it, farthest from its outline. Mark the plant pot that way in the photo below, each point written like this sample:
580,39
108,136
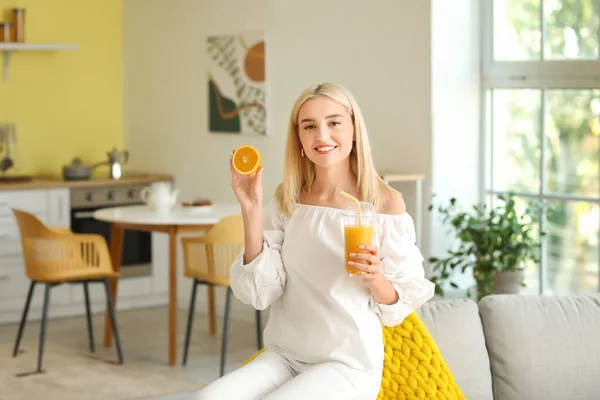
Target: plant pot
508,282
482,290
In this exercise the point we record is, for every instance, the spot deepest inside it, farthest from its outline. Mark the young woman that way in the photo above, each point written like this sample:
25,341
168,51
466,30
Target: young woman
323,339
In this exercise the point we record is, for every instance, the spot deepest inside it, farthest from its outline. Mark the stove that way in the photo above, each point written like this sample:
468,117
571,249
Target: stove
137,246
106,196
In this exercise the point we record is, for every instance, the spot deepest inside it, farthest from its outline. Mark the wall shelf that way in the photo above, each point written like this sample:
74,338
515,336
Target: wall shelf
9,48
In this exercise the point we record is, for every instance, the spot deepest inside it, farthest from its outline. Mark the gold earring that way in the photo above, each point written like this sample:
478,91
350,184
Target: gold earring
302,153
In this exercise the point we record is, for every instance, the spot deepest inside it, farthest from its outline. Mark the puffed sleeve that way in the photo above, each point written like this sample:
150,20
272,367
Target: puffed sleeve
261,281
402,265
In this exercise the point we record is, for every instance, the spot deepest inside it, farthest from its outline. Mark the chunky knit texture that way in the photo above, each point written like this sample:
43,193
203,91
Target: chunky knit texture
413,367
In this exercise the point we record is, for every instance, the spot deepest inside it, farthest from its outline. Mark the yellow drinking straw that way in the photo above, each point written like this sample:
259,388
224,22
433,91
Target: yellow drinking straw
354,199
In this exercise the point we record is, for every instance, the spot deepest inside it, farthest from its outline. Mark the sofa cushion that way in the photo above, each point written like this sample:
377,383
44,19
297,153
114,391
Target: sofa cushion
413,366
543,347
456,328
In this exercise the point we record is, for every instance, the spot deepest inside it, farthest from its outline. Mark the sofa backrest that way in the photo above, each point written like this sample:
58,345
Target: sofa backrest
543,347
457,331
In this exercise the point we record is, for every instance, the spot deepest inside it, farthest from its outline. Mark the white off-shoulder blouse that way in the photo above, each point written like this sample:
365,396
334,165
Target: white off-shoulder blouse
318,313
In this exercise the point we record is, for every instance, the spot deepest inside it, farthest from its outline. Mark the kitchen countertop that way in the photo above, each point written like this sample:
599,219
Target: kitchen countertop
46,182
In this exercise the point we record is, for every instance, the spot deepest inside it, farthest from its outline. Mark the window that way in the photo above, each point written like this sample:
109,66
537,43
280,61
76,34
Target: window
541,136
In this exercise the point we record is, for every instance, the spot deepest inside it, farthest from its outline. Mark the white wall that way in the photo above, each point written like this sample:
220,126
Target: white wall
455,104
381,53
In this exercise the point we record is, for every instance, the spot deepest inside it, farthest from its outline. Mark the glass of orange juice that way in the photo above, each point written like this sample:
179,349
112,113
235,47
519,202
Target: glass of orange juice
359,229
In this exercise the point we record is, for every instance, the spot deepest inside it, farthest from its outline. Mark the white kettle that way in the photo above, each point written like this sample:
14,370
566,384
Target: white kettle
160,197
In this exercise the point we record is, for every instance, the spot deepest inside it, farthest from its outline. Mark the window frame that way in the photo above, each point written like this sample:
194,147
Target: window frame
581,72
540,75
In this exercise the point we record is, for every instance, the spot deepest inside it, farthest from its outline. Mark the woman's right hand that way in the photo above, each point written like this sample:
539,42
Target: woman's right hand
248,189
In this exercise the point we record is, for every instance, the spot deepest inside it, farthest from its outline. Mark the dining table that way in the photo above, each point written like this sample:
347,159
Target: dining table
177,220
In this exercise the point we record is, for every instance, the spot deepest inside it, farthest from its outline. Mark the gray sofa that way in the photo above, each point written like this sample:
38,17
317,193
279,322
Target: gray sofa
520,347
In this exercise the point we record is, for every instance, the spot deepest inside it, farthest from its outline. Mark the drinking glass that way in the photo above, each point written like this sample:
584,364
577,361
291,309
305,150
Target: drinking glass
358,230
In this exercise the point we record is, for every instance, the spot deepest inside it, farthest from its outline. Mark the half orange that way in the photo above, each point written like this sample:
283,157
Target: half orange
246,160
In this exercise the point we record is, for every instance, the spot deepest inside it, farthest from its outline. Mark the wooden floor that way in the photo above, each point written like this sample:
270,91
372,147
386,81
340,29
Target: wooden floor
144,335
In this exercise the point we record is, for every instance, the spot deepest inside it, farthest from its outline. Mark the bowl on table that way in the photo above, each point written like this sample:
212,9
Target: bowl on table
197,206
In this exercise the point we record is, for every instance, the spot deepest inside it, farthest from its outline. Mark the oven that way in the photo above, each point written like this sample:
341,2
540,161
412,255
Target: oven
137,246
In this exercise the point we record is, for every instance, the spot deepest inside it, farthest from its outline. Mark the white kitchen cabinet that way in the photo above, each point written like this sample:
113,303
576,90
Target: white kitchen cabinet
59,207
34,201
50,206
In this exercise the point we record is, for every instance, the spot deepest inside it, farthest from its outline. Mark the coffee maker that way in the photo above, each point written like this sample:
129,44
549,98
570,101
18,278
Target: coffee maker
116,160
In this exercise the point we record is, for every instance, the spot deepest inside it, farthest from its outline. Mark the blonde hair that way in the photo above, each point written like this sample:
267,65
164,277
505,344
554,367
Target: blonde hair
299,172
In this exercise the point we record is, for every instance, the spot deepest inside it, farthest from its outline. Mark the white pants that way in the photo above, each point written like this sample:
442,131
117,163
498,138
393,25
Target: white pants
273,377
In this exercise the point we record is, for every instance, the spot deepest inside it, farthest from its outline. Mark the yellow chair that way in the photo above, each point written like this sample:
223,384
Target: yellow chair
207,260
54,256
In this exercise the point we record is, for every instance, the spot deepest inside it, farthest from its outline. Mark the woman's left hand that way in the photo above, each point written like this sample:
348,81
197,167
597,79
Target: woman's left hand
369,263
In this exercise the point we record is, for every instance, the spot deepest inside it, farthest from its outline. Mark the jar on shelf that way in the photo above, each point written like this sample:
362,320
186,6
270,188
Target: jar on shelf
5,32
18,25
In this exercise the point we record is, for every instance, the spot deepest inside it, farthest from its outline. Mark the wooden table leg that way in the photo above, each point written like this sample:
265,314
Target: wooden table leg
212,318
116,253
172,295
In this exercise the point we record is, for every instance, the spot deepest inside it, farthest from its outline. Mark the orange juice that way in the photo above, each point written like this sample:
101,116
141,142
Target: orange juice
354,236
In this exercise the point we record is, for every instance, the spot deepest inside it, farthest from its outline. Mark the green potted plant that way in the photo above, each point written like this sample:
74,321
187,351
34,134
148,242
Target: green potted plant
494,244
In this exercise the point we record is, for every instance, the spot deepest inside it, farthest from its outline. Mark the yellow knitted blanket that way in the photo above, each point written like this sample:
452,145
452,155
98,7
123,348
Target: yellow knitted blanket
413,367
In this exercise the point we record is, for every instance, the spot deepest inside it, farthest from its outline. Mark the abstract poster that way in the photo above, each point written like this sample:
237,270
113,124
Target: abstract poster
236,84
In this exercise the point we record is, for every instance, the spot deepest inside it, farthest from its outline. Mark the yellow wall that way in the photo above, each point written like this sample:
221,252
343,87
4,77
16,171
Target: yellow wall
66,103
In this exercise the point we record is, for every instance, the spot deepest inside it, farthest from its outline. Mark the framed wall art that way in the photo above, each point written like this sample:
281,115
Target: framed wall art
236,84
